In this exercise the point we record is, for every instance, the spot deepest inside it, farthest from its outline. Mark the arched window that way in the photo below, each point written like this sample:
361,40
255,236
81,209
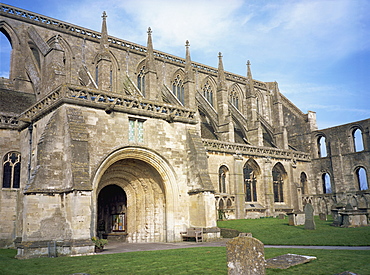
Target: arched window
141,80
207,92
222,177
321,144
178,89
278,184
36,55
11,170
234,98
250,183
5,55
357,140
304,183
362,178
326,183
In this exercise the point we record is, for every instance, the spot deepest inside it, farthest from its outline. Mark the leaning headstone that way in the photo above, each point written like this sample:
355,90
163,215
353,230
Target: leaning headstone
309,222
245,256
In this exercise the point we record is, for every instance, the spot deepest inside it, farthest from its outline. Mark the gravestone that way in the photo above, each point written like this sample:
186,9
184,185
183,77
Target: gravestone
245,255
309,222
281,216
288,260
322,216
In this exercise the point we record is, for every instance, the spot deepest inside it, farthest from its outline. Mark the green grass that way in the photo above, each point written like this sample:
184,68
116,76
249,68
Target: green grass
277,231
212,260
202,260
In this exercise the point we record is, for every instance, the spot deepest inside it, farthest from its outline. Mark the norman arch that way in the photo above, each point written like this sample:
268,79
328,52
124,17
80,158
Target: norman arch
148,182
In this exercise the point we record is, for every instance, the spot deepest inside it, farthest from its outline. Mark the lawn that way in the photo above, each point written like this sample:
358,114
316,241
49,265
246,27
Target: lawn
212,260
202,260
277,231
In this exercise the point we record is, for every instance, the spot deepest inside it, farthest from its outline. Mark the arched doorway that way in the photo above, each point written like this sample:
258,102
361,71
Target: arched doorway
112,206
131,202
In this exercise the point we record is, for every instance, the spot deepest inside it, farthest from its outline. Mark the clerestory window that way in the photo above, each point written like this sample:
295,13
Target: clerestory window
357,140
234,98
11,170
141,80
5,55
178,89
321,144
207,92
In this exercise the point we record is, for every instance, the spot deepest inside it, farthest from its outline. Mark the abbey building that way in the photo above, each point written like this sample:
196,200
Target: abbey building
104,137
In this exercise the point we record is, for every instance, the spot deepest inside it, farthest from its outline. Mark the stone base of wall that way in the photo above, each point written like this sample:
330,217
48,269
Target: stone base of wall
6,243
36,249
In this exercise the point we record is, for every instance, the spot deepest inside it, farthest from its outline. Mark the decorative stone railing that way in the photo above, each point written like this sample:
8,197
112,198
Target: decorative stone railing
7,121
235,148
79,95
38,19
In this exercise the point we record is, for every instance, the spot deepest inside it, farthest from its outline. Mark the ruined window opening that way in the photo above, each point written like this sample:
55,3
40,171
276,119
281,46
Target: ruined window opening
357,140
222,174
178,89
141,80
5,55
361,176
326,183
11,170
278,184
321,144
250,184
136,130
208,93
304,183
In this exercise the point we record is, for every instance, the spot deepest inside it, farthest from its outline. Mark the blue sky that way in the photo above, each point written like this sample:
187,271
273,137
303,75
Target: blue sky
317,50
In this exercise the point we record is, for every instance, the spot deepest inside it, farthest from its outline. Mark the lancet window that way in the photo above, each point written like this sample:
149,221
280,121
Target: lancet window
207,92
357,140
362,178
278,184
178,89
326,183
141,80
222,179
250,183
304,183
5,55
321,144
11,170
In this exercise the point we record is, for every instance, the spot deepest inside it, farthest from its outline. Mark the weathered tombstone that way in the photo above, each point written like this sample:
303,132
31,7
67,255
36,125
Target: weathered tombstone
281,216
322,216
245,255
309,221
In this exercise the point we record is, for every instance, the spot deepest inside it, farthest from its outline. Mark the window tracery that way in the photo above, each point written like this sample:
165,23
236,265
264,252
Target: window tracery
234,98
141,80
11,170
278,184
207,92
178,89
250,183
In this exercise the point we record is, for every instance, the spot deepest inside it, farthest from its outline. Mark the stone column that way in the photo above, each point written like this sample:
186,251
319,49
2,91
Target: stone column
239,187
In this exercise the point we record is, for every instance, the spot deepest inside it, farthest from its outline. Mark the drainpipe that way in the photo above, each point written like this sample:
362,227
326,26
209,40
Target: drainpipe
30,130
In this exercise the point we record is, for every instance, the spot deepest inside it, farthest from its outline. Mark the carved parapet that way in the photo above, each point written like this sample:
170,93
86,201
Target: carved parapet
79,95
228,147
